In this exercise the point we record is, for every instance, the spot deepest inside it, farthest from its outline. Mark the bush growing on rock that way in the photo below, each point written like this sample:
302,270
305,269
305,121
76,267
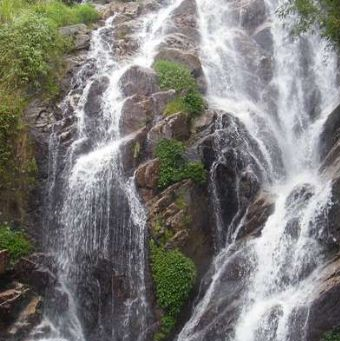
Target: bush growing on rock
173,166
178,77
332,336
174,276
15,242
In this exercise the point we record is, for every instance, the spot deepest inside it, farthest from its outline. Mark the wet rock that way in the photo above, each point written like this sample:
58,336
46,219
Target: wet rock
80,35
139,81
132,151
331,234
330,133
203,121
35,273
12,300
147,178
325,309
184,19
136,112
176,126
29,317
257,215
252,14
228,151
264,38
159,101
94,99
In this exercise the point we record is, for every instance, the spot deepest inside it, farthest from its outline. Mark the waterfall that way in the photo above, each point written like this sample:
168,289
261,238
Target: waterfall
96,225
261,287
271,93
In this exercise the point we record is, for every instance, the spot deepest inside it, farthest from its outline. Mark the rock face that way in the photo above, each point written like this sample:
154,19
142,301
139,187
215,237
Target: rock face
139,81
79,34
22,289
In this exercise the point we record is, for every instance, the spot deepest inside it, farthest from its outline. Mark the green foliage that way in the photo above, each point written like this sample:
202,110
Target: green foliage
167,325
54,10
332,336
15,242
174,276
29,48
196,172
321,15
194,102
175,106
174,76
178,77
173,166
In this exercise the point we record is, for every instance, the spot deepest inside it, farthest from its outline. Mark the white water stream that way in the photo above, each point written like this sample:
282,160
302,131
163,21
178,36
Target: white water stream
282,262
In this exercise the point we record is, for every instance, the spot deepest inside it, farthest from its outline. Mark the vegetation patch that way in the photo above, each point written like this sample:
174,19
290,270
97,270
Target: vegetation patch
178,77
15,242
320,15
332,336
174,276
174,167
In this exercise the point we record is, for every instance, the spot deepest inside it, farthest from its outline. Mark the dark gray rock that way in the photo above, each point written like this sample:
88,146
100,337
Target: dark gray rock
330,133
252,14
139,81
264,39
80,35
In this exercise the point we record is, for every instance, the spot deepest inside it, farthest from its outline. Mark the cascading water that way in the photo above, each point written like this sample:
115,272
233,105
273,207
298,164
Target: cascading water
276,90
261,287
97,221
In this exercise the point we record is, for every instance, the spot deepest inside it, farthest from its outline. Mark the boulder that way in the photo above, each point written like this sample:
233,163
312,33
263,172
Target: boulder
29,317
184,19
264,38
12,300
135,114
147,178
159,100
132,151
257,215
93,103
80,35
324,311
330,133
176,126
139,81
252,14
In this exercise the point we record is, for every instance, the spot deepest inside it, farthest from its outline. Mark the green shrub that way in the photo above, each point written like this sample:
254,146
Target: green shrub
332,336
54,10
29,48
322,15
173,166
174,276
194,103
174,76
175,106
167,325
178,77
15,242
